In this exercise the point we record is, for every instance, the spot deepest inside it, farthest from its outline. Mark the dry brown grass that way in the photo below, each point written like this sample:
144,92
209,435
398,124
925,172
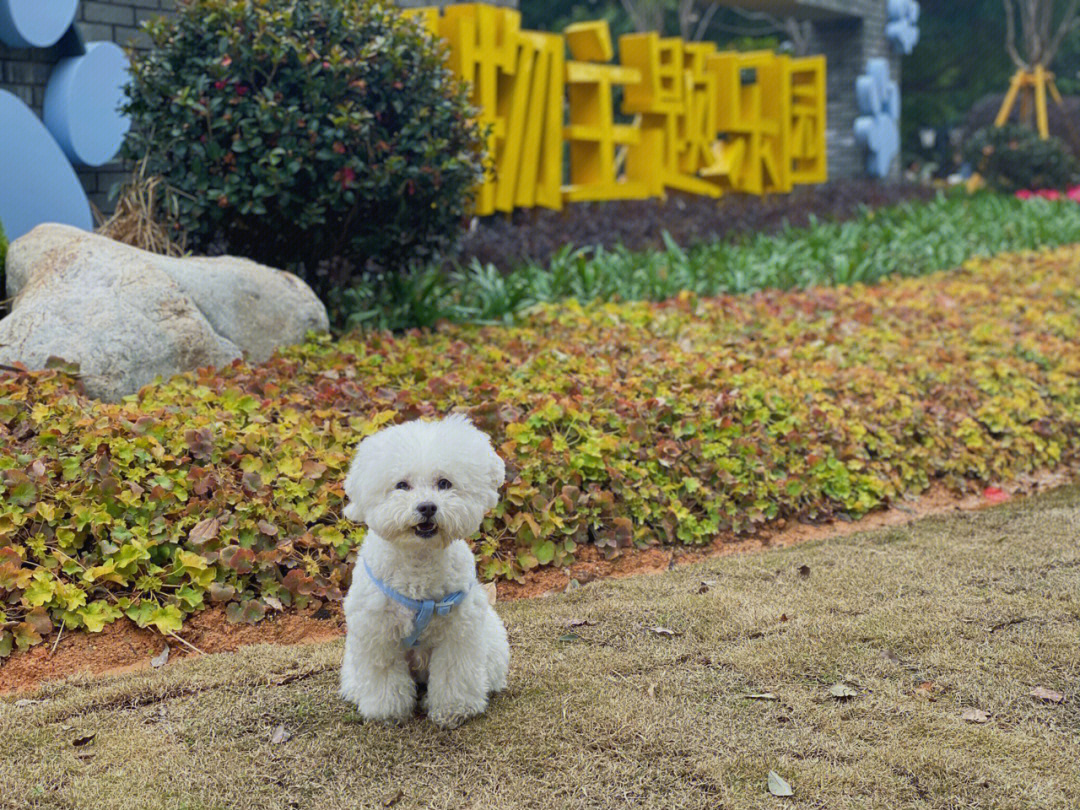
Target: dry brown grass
978,608
137,220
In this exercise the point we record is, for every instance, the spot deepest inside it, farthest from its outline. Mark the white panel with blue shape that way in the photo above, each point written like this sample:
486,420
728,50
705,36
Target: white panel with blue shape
83,125
902,29
878,126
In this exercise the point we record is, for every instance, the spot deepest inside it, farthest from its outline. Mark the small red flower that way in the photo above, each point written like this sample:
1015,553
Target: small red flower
1049,194
241,90
219,85
223,201
1024,194
339,148
348,176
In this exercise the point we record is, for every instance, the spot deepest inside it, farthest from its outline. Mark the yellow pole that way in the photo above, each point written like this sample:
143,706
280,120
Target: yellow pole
1010,99
1040,103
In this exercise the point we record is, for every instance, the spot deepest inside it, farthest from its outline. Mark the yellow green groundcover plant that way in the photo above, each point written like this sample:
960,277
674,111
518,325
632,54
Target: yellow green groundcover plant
622,424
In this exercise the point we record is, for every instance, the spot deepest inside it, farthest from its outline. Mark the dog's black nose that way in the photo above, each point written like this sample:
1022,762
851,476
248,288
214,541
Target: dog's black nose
427,510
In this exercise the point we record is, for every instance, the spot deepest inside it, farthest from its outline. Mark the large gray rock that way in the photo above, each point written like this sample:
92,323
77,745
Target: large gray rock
126,315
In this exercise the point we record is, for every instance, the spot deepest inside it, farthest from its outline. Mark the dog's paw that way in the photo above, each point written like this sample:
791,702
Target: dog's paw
391,710
452,715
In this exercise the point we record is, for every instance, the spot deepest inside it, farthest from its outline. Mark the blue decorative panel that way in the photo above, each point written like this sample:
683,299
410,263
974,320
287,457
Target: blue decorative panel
902,30
35,23
878,126
82,104
83,123
37,183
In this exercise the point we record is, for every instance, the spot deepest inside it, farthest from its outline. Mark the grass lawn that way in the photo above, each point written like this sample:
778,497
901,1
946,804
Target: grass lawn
969,611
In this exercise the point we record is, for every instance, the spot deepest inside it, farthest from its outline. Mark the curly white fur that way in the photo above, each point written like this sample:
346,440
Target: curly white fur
464,656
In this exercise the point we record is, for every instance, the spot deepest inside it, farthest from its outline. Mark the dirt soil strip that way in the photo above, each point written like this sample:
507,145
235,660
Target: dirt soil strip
931,665
122,647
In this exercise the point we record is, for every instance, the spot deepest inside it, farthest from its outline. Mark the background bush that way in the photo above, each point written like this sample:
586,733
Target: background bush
1014,157
295,133
621,425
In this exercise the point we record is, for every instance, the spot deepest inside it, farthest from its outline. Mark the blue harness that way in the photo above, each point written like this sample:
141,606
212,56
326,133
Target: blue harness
424,609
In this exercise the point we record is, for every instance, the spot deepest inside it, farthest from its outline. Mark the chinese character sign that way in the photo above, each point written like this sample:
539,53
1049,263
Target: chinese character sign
691,119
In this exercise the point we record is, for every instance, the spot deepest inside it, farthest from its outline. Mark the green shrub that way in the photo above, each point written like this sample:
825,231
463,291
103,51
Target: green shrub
1012,158
294,133
621,424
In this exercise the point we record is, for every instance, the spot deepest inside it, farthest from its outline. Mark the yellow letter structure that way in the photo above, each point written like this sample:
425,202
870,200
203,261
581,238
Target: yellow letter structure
532,168
698,123
754,119
592,132
484,52
661,99
809,162
517,85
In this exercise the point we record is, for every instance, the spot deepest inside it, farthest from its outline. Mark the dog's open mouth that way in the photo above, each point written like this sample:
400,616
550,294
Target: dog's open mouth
425,529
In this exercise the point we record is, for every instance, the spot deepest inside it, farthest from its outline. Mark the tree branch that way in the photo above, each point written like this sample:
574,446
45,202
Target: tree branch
1068,23
1010,35
706,19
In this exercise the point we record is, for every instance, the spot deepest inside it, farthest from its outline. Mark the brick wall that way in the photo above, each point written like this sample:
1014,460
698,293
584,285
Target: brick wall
848,40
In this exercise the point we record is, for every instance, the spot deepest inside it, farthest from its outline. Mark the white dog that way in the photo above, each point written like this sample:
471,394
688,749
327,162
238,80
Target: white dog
414,611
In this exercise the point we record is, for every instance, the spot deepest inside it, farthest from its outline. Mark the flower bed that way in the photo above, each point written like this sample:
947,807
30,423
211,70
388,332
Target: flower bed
911,239
622,424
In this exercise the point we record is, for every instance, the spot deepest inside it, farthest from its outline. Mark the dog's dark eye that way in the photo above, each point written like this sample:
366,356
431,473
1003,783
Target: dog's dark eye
402,485
444,484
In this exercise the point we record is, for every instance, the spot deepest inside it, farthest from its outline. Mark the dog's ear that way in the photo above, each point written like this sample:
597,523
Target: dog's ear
495,475
352,510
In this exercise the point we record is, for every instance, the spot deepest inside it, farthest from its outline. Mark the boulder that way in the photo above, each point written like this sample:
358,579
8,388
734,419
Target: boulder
127,316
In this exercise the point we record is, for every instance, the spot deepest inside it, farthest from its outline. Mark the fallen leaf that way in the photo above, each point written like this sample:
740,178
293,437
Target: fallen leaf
651,690
580,623
804,571
491,591
995,495
79,742
927,689
762,696
664,631
274,602
280,735
842,691
572,585
974,715
1049,695
84,755
393,798
783,617
159,660
777,785
21,702
705,585
569,637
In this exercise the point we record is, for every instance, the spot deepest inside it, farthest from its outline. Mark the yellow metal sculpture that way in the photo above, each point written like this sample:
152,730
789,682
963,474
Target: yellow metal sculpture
694,119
